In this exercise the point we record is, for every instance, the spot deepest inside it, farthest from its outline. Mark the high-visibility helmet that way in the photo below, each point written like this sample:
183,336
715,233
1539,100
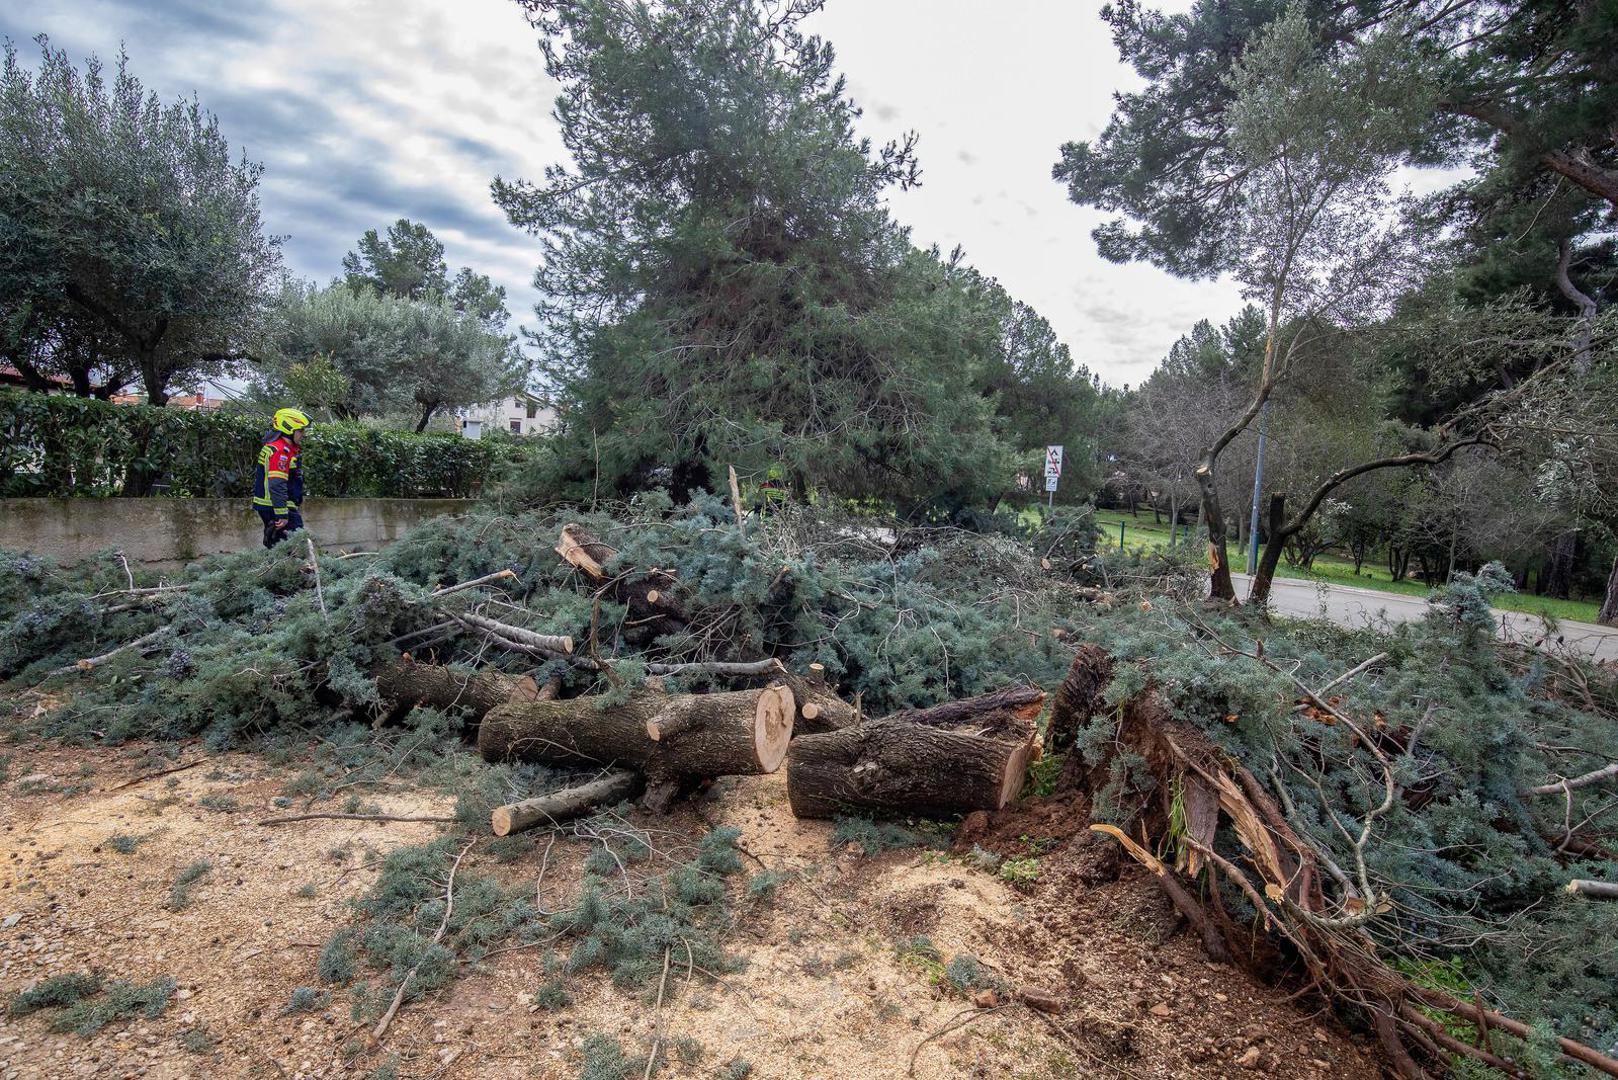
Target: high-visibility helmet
289,420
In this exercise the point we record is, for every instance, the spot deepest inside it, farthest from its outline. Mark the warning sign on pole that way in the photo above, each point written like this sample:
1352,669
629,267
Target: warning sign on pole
1053,461
1050,483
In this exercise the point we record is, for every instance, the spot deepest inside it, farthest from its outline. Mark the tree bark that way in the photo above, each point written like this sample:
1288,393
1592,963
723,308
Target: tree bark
741,732
1604,890
1013,706
893,766
613,787
1079,696
404,684
1258,594
1609,606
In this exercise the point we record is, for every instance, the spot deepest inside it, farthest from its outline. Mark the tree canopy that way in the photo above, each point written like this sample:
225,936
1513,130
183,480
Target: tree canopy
723,283
130,239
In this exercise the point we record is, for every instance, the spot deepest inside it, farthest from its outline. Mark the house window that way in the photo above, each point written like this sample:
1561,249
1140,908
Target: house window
533,410
516,425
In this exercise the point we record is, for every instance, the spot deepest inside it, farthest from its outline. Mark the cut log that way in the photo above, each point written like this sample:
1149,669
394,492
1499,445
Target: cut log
405,684
1606,890
613,787
819,707
895,766
1021,703
740,732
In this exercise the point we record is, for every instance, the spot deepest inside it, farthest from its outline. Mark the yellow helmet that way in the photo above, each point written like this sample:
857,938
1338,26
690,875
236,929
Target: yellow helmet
289,420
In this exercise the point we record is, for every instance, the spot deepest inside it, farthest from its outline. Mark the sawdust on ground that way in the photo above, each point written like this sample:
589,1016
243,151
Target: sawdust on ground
824,994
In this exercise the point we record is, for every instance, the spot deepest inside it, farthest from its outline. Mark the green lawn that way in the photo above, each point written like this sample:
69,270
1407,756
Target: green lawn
1330,568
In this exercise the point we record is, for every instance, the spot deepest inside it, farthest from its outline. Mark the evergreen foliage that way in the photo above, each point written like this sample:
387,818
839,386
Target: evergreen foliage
1469,858
87,1002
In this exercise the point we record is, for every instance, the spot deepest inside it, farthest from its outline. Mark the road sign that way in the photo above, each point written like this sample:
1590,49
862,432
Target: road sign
1053,461
1050,483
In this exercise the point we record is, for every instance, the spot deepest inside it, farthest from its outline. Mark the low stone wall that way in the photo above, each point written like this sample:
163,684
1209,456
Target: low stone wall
159,531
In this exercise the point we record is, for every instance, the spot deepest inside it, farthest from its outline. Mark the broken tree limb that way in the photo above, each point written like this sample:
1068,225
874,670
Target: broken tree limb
1079,696
498,575
894,765
645,593
438,935
738,732
551,642
1609,772
1605,890
405,684
819,707
613,787
581,550
91,663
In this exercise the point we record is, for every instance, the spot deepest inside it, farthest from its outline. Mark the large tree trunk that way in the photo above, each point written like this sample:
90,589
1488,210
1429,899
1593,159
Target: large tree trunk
1609,606
1258,595
1558,577
405,684
891,766
739,732
1220,587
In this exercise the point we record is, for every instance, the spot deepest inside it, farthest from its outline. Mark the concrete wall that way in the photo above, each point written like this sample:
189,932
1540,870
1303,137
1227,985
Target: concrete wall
159,531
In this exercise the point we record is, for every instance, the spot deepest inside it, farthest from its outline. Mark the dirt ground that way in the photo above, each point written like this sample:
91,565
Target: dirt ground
824,993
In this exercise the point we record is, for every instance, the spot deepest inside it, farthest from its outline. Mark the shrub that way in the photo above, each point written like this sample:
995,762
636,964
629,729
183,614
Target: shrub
305,999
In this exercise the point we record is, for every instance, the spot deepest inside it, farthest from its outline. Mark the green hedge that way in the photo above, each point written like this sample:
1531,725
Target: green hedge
59,445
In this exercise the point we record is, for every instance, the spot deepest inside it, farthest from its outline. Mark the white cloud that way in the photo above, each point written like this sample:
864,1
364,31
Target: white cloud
371,110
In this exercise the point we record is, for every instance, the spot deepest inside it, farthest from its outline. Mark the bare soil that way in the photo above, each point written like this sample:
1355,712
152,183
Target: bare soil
824,994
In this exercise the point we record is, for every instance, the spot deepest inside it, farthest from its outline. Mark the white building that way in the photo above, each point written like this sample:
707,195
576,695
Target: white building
520,415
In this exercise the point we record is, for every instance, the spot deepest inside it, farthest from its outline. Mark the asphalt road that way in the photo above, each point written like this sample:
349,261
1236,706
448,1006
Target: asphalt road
1348,606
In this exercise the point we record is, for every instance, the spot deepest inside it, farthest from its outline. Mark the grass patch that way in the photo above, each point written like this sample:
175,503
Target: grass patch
1331,569
180,891
124,844
875,837
87,1003
305,999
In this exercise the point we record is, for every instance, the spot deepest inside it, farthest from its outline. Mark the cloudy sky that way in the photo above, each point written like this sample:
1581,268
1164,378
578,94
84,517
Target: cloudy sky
365,111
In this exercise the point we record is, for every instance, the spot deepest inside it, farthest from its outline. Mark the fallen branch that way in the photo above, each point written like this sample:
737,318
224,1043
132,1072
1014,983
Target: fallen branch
314,561
549,642
438,935
356,817
1557,787
612,787
155,775
96,661
498,575
960,1020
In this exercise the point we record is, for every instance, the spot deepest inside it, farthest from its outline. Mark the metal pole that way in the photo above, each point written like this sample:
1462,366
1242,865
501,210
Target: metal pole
1120,536
1258,486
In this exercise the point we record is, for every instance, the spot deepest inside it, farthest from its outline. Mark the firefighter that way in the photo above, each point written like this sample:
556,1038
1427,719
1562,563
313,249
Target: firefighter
278,485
